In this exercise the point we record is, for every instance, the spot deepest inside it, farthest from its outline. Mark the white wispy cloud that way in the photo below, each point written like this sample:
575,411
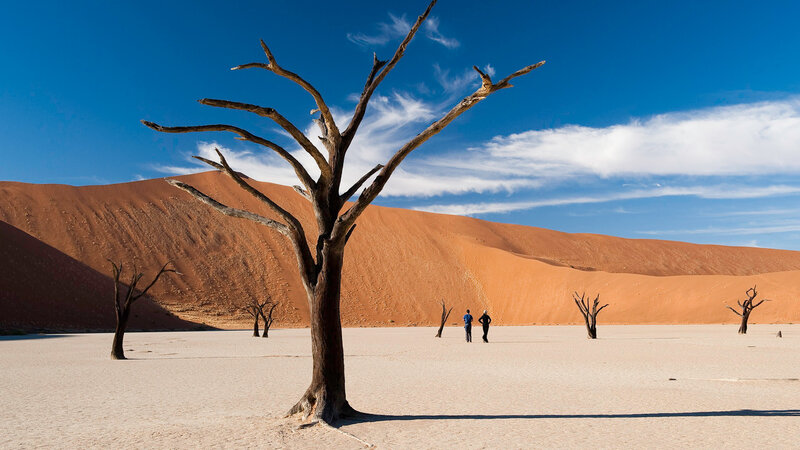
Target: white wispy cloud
432,32
762,228
397,28
708,192
759,138
707,145
455,84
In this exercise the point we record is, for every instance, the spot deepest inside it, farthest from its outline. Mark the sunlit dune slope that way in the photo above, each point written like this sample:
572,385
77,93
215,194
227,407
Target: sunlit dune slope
399,263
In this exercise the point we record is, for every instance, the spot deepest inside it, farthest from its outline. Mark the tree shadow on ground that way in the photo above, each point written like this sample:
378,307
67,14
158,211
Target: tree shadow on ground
24,337
365,418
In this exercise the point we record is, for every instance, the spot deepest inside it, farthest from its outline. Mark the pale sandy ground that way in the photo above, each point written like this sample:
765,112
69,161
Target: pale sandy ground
531,387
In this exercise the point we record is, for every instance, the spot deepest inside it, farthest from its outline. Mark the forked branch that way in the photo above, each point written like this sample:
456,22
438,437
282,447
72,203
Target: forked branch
589,310
353,189
747,306
284,123
301,172
227,210
273,67
445,314
370,193
295,235
377,75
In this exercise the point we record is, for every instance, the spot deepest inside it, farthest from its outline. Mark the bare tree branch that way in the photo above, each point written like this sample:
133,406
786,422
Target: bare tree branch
228,211
294,231
301,172
273,67
271,113
747,306
350,192
303,192
290,220
375,77
734,311
379,182
158,275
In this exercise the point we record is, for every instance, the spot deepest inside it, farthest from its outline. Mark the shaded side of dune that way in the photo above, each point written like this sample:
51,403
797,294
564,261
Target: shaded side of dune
44,290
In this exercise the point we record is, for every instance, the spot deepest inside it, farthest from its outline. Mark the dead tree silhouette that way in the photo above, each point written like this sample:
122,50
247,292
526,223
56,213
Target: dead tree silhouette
255,309
268,319
589,311
122,307
445,315
320,266
747,307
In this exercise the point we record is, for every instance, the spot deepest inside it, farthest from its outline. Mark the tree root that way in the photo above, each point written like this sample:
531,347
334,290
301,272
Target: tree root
318,405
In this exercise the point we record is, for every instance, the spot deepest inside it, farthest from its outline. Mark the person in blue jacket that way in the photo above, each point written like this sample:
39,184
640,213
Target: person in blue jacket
468,325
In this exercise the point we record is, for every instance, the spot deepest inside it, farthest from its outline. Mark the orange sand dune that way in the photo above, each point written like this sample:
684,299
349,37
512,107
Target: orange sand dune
399,263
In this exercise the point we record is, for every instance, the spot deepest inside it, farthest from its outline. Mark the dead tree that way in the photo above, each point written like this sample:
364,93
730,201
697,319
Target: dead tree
122,307
589,311
747,307
445,315
255,309
268,319
320,264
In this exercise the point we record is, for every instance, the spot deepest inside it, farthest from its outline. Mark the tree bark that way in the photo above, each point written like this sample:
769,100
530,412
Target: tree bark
326,397
445,315
117,351
591,331
268,319
255,325
743,326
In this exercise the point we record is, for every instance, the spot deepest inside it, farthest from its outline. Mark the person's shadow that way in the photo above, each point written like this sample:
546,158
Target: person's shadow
366,418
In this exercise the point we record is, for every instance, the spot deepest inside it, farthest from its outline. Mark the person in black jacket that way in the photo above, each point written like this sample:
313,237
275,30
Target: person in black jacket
485,320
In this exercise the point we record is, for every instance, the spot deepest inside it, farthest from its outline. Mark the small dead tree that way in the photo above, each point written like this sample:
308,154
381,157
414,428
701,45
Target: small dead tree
445,315
122,307
255,309
747,307
268,319
589,311
320,257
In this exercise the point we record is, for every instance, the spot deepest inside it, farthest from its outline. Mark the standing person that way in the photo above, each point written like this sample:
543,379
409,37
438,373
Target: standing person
468,325
485,320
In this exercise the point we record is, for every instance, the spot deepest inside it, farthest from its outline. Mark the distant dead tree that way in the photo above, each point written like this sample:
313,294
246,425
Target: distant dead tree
122,307
445,315
256,310
589,311
747,307
268,319
320,263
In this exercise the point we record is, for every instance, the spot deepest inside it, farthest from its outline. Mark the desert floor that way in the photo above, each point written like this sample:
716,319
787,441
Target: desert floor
636,386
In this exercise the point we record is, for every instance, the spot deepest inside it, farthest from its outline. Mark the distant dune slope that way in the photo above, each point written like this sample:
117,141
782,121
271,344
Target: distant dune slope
44,289
399,263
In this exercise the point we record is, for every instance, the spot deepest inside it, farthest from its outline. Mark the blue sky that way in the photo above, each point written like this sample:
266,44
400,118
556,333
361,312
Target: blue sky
651,119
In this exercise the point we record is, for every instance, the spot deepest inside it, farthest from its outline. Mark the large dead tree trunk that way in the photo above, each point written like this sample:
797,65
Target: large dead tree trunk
321,269
445,315
589,310
122,306
747,307
268,319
